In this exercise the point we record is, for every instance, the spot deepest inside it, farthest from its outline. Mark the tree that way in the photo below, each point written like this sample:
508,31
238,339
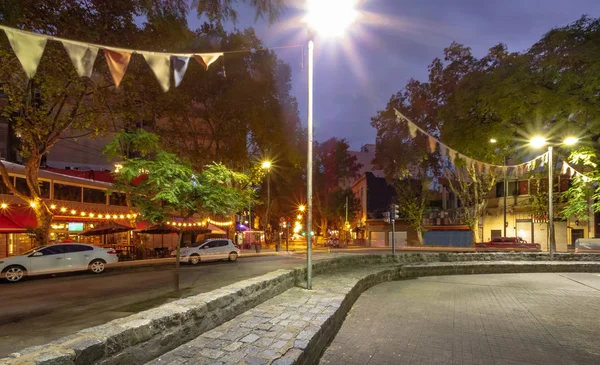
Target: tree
472,187
583,195
334,169
220,10
165,186
57,104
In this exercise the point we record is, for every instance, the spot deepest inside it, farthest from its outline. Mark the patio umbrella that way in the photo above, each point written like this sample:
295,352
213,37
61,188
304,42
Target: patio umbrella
108,228
160,229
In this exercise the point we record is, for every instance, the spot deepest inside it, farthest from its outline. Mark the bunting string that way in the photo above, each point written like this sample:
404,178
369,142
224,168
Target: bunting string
446,151
570,171
29,47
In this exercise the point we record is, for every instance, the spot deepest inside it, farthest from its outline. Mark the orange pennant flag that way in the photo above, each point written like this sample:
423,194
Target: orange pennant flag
206,59
117,64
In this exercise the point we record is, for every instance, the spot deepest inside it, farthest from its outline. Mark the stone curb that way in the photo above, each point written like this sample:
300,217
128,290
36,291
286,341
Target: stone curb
146,335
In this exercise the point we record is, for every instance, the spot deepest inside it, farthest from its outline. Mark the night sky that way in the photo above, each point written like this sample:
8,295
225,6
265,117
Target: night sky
396,40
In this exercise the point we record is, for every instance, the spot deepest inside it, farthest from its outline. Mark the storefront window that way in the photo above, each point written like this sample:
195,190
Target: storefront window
94,196
3,188
67,192
118,199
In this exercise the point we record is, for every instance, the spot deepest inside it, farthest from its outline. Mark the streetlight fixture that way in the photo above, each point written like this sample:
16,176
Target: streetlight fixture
540,142
302,208
267,166
328,18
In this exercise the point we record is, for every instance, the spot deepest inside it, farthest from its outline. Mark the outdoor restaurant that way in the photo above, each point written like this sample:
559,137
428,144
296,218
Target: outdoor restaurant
88,211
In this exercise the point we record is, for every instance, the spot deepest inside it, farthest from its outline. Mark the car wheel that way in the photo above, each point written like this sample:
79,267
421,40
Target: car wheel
97,266
233,256
14,273
194,259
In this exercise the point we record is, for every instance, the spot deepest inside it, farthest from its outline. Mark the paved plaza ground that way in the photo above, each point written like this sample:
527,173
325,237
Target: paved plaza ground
508,319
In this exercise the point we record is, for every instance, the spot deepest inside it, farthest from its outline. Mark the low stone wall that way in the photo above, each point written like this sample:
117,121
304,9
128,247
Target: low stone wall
141,337
144,336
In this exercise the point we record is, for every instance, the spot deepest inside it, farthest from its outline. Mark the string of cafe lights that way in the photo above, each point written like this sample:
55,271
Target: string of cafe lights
64,211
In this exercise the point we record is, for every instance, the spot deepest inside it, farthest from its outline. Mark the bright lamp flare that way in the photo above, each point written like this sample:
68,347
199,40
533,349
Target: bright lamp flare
330,18
493,140
266,165
302,208
538,142
569,141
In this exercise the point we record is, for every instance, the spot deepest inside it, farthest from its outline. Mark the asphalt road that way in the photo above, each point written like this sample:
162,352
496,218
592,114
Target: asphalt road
40,310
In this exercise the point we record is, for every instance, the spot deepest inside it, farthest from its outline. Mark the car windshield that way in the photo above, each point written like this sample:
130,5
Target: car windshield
32,250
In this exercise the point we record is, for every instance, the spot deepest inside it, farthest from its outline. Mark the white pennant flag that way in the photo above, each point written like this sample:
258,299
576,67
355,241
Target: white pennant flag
412,129
82,56
180,64
563,170
28,48
160,63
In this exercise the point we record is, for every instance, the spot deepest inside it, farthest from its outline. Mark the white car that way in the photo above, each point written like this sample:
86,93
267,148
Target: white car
209,250
57,258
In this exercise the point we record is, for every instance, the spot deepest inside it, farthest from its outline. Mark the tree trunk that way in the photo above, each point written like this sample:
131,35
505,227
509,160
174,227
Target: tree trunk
475,232
420,237
44,221
176,272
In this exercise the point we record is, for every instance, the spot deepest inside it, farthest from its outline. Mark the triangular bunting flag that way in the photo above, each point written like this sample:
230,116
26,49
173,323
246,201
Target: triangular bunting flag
117,64
542,161
160,63
563,169
452,154
206,59
412,129
480,167
28,48
82,56
432,144
443,151
180,64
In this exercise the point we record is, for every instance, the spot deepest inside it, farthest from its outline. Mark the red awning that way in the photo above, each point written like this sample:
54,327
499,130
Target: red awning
7,225
17,219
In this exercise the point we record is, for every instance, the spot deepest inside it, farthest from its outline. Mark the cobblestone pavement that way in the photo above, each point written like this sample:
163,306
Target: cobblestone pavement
275,332
480,319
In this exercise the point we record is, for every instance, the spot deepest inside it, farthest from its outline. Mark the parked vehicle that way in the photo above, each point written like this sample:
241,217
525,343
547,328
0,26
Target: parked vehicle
57,258
509,242
587,245
209,250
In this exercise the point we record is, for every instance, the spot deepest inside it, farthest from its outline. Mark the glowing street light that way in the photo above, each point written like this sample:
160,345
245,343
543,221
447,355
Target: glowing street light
267,166
331,18
569,141
302,208
328,18
493,140
540,142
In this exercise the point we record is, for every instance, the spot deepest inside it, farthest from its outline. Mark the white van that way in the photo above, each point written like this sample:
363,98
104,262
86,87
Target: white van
587,245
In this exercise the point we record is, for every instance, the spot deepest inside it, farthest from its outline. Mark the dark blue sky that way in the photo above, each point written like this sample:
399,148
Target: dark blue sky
355,76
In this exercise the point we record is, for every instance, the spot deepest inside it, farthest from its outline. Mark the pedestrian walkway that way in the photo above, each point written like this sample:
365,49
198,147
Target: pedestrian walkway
476,319
276,331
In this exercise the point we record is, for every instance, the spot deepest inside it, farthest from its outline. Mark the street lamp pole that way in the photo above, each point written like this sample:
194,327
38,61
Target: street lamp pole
309,168
550,204
505,193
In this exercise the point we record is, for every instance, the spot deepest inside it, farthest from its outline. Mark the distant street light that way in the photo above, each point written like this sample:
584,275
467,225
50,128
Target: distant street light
267,166
540,142
302,208
328,18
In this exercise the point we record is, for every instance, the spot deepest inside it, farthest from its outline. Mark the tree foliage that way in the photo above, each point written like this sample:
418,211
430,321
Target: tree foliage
161,185
334,169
